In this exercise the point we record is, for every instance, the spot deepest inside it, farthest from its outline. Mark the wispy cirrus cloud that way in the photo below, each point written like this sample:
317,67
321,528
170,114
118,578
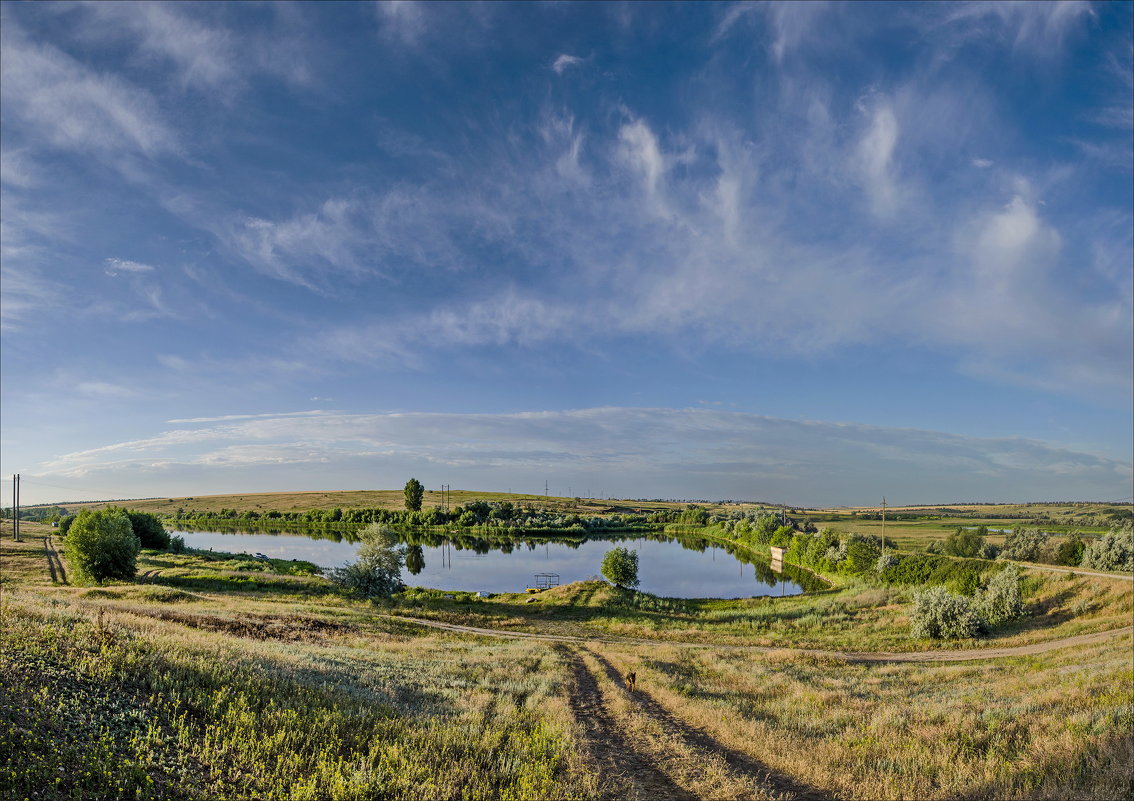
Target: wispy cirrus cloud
115,266
75,107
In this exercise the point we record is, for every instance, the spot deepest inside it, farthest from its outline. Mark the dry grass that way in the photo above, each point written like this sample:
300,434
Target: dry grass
1052,726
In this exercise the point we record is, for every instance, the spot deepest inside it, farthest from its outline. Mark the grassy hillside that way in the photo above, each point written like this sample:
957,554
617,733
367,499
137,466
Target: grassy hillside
216,677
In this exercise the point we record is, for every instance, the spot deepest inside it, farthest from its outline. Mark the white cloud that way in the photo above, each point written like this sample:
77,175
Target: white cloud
71,106
876,156
227,417
124,265
641,151
633,452
1038,28
402,19
982,164
563,61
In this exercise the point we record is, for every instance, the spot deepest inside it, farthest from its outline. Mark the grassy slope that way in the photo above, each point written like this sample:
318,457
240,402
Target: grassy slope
213,682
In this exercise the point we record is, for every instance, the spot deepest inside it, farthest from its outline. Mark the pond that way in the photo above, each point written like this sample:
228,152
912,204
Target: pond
667,566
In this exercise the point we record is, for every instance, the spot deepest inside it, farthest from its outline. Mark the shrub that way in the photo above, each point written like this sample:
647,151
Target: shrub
177,544
965,542
934,547
378,571
620,567
149,530
862,553
1024,545
989,551
938,614
102,545
1070,552
1001,601
885,562
1114,551
65,524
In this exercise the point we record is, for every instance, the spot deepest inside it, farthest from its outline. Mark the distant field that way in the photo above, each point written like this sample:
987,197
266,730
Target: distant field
382,499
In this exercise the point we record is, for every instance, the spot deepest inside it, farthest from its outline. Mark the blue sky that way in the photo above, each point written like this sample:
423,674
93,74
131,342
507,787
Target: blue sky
801,252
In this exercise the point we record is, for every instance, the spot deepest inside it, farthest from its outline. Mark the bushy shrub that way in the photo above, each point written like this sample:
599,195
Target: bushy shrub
862,554
989,551
378,571
177,544
965,542
781,537
102,545
1024,545
1001,601
885,562
934,547
1114,551
1070,551
149,530
65,524
938,614
620,567
963,575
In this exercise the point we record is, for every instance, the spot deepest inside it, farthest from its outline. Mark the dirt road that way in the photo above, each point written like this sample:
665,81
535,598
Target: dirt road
848,656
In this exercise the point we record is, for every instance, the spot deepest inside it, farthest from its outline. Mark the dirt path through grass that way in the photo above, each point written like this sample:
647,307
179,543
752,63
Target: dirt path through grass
706,747
849,656
54,563
633,772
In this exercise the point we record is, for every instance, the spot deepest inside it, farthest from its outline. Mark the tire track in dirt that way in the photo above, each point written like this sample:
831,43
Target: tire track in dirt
782,784
633,772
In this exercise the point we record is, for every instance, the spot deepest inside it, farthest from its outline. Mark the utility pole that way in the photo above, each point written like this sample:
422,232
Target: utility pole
883,525
16,507
545,488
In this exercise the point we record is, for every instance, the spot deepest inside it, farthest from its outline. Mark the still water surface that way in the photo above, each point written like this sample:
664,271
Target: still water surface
666,567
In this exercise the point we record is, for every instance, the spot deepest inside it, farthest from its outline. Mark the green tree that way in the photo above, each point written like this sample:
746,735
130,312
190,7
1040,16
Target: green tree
620,567
149,530
965,542
378,571
102,545
1070,552
1025,545
414,492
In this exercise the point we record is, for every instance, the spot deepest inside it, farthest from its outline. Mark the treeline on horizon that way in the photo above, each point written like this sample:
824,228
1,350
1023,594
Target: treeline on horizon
492,514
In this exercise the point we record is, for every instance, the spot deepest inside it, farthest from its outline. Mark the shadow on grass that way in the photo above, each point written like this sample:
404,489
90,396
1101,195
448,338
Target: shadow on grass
267,584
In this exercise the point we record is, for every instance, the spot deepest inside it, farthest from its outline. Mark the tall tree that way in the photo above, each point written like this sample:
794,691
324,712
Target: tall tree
414,492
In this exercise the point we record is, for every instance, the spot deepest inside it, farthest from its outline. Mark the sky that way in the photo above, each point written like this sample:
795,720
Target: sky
811,253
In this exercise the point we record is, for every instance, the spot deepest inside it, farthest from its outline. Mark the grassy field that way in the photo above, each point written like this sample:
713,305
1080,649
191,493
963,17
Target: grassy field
212,676
374,499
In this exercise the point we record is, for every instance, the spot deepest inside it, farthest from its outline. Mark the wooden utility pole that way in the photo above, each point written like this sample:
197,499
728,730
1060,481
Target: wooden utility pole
16,507
883,525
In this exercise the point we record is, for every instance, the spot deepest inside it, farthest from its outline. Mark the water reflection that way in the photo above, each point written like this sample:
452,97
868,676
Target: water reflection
679,567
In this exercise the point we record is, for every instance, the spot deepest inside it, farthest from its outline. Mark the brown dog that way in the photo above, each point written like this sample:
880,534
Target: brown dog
631,680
